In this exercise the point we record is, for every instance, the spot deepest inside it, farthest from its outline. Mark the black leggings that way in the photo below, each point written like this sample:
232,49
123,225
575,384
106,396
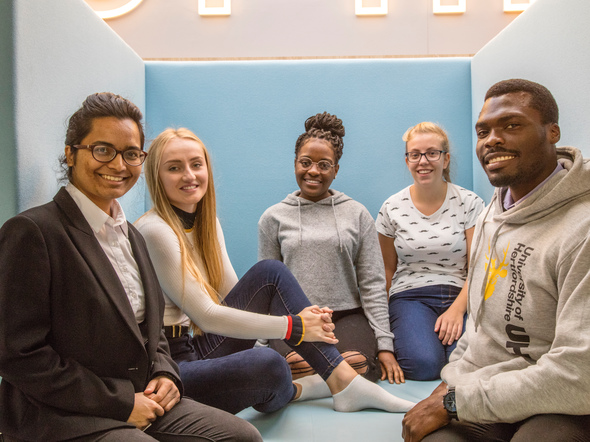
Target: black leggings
354,335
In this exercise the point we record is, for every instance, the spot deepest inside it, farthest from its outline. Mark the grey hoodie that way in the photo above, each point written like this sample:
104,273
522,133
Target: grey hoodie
526,349
331,247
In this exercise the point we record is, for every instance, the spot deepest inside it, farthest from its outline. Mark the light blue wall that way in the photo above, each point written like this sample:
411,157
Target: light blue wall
249,115
8,196
62,53
549,43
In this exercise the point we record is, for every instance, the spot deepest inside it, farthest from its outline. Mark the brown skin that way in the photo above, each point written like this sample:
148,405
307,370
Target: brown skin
512,132
314,183
516,150
102,183
426,416
390,369
160,395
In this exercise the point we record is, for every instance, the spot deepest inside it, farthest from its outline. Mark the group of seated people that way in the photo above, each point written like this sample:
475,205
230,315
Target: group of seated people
114,331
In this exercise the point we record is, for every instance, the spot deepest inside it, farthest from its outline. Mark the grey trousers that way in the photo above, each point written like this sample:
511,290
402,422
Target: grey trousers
187,421
542,427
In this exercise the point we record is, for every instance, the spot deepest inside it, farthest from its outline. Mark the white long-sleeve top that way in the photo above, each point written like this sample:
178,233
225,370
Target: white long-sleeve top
164,250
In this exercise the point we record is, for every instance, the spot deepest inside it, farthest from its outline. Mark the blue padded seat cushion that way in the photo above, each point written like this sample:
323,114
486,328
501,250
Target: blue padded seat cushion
317,421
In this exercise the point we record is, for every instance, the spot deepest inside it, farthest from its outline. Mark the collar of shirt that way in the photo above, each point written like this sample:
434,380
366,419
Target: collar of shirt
509,203
94,215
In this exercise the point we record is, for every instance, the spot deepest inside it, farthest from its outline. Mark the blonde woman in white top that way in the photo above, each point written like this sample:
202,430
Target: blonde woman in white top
425,234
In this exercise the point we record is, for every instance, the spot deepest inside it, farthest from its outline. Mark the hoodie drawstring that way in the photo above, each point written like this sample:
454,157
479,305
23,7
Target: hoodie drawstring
335,219
337,227
300,228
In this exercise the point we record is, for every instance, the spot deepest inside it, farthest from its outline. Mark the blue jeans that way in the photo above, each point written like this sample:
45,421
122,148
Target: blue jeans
229,373
412,316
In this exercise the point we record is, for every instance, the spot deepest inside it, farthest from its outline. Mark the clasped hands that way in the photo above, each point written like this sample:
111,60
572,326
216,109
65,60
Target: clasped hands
160,395
318,324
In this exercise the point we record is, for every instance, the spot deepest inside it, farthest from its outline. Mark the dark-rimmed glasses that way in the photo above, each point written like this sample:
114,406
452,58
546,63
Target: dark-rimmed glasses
323,165
431,155
106,154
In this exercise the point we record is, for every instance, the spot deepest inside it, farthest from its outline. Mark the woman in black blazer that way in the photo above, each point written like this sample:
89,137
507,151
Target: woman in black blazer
82,353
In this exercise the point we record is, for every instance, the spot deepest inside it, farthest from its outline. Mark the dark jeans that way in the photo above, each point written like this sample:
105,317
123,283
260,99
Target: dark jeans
354,334
542,427
228,373
412,315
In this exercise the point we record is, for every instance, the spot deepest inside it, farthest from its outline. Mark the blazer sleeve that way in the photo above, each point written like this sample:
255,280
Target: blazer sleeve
29,356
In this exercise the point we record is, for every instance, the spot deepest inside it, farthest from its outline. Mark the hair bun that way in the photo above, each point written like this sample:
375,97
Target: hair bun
325,122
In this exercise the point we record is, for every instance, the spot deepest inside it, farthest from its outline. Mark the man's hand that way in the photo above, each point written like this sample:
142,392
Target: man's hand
390,369
426,416
163,391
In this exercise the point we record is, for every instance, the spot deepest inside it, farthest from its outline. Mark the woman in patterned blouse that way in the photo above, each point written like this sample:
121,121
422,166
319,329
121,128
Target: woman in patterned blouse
425,233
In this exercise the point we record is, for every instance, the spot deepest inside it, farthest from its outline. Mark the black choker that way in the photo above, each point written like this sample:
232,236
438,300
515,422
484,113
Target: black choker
187,219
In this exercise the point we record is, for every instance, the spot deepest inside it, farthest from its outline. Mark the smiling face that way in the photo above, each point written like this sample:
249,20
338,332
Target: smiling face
514,147
314,183
104,182
183,173
427,172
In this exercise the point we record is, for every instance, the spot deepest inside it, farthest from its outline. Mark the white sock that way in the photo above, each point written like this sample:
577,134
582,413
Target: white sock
361,394
312,387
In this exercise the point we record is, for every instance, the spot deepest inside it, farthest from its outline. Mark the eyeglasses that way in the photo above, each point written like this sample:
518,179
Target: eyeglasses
106,154
323,165
431,155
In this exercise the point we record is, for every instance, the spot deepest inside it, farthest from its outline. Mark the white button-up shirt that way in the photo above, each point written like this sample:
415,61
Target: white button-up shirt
113,235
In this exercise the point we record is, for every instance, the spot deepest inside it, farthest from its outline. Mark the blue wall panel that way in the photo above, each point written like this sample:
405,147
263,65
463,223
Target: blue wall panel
250,113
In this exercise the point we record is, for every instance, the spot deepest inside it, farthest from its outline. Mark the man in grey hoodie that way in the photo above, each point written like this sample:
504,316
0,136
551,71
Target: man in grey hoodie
521,371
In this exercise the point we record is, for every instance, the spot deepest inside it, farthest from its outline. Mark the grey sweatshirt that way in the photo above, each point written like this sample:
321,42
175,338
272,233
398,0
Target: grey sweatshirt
331,246
526,348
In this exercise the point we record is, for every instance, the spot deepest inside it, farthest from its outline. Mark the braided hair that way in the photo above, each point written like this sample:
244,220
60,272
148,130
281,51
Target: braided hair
323,126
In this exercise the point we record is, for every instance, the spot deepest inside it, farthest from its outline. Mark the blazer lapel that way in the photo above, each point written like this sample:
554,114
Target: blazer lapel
88,246
151,289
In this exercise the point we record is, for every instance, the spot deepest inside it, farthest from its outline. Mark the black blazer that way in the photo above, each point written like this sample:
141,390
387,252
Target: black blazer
71,353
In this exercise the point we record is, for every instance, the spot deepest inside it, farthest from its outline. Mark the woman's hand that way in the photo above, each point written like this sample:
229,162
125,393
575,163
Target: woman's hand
449,325
390,369
318,325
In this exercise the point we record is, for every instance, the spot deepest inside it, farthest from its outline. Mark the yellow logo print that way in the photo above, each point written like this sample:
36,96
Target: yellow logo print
497,271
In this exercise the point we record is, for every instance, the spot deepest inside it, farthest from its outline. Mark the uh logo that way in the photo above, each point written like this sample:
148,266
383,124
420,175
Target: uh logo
496,270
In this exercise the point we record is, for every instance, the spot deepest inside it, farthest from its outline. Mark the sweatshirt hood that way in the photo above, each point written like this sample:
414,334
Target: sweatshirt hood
570,183
335,198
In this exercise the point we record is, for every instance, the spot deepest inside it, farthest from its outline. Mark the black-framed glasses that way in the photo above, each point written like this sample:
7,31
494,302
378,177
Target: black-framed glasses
106,154
431,155
323,165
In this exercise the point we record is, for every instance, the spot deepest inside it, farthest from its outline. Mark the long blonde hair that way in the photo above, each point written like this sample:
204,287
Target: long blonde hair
426,127
204,234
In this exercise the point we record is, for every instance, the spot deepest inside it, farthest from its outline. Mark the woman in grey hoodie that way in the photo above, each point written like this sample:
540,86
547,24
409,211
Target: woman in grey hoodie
329,242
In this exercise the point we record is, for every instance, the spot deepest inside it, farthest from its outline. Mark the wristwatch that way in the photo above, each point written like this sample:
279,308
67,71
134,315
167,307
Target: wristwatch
450,404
